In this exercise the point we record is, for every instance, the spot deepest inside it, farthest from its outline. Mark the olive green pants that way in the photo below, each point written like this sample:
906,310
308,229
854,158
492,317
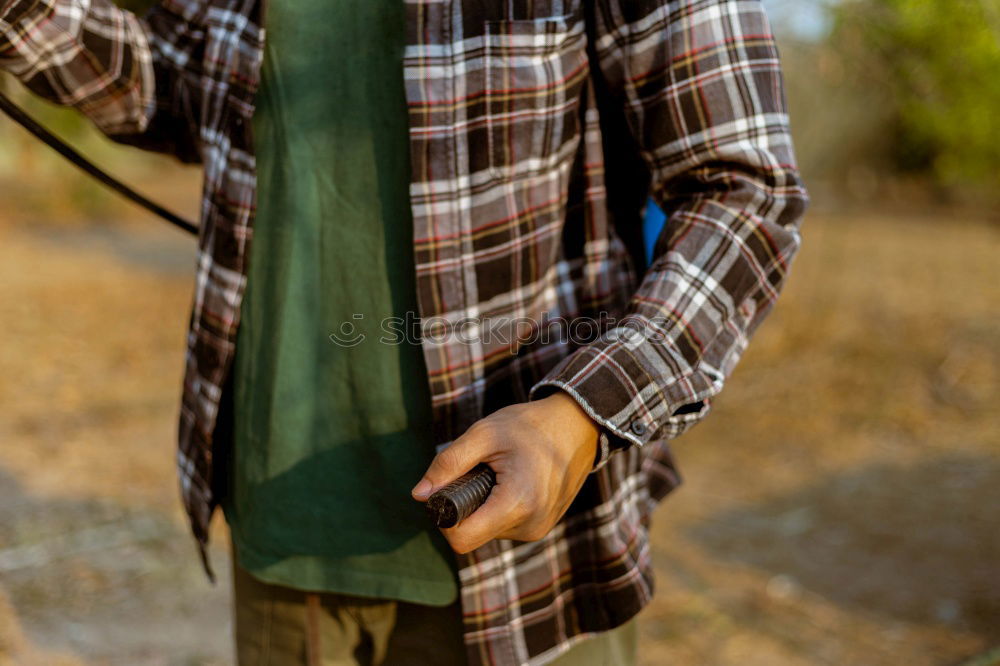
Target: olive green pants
280,626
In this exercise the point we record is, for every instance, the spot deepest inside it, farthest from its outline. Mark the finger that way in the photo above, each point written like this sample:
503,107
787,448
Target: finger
464,453
506,507
527,531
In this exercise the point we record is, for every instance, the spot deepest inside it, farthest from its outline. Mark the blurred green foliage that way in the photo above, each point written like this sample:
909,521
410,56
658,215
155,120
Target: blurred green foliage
939,62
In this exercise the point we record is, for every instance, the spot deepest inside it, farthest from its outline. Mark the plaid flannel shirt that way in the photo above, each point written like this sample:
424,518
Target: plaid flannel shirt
537,130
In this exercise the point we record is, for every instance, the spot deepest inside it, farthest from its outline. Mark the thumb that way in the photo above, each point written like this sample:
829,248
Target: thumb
461,456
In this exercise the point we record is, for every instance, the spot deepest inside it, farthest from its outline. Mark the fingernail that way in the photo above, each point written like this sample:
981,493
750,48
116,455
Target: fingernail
423,489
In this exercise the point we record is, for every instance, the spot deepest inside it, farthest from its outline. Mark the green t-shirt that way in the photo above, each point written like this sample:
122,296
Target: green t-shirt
329,438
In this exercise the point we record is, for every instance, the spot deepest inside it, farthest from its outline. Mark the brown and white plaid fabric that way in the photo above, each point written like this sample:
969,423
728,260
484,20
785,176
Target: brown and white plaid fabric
538,128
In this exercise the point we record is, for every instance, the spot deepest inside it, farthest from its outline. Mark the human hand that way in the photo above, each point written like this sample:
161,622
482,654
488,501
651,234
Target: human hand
541,451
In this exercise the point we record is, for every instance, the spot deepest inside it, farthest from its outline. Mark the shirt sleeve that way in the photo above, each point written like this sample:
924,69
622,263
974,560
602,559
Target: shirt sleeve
131,76
702,93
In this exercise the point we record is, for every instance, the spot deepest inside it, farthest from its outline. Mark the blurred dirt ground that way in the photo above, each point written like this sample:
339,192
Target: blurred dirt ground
840,507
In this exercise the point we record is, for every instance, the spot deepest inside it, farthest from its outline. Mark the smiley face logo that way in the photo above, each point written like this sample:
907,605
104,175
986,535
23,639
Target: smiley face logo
348,335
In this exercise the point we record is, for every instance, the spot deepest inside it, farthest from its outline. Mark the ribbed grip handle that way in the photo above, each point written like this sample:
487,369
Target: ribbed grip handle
460,498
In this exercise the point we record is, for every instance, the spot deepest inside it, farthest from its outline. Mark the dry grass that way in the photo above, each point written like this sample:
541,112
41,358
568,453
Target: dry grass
840,505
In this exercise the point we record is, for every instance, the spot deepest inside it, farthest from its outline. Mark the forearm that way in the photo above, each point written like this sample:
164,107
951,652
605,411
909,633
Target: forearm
723,260
88,54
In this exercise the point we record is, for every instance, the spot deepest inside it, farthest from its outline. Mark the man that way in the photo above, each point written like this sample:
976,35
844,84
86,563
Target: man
482,166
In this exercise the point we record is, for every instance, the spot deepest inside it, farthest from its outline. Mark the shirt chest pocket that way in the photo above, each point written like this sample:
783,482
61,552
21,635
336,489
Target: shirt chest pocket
535,72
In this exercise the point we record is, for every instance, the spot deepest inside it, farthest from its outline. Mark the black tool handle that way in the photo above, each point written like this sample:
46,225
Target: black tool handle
460,498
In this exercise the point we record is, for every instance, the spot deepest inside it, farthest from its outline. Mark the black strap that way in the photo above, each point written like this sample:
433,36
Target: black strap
54,142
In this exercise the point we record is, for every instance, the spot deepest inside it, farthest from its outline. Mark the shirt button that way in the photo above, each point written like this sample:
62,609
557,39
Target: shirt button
639,428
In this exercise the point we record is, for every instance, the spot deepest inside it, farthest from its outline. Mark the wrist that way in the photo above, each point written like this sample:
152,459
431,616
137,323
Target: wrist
583,430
